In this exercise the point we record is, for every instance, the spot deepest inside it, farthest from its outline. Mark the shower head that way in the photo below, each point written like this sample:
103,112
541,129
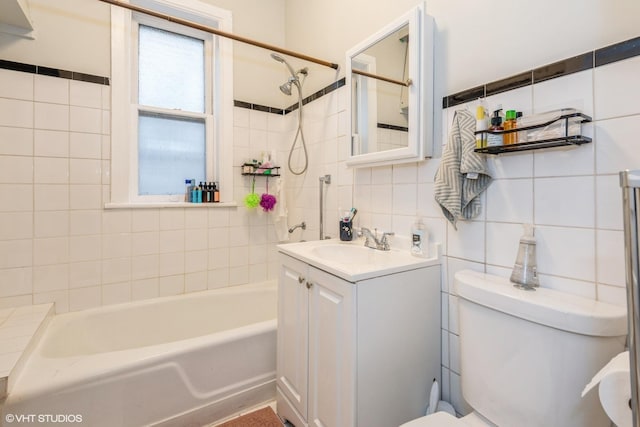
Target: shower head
284,61
286,88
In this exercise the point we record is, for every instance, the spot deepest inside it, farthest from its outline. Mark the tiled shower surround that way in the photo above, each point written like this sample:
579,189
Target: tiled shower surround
57,243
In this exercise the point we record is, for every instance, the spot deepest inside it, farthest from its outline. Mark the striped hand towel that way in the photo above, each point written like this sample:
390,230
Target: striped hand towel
462,175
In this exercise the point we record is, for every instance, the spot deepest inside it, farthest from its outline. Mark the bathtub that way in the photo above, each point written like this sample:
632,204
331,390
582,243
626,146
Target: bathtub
184,360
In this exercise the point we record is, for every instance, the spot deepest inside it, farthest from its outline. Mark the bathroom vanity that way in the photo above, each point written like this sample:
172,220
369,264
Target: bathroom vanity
358,334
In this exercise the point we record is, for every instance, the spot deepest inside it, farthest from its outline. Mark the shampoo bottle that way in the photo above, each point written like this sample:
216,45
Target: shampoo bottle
419,238
510,124
494,140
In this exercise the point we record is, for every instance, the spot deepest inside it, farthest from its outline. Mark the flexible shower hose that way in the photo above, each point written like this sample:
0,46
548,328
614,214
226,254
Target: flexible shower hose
299,133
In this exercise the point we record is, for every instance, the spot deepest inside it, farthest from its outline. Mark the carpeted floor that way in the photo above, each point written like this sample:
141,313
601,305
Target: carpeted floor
264,417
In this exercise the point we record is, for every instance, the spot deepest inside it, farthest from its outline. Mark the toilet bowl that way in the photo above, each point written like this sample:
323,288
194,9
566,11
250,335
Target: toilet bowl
526,355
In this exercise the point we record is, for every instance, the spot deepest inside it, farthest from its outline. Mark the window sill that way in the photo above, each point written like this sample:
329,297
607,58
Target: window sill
156,205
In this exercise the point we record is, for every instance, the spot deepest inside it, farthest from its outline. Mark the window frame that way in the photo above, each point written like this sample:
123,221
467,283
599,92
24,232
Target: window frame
218,115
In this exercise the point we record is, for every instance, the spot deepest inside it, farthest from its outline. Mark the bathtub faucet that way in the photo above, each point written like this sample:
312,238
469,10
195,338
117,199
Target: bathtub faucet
302,225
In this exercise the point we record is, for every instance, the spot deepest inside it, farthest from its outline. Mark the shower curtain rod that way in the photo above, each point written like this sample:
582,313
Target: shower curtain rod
386,79
221,33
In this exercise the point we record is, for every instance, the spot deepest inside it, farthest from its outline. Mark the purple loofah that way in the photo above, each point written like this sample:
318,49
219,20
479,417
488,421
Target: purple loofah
267,201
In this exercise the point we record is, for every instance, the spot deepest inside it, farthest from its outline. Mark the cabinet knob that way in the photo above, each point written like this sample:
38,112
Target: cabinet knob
300,279
309,285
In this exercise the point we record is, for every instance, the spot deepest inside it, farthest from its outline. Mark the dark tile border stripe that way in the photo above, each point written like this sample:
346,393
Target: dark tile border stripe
563,68
617,52
393,127
53,72
606,55
510,83
280,111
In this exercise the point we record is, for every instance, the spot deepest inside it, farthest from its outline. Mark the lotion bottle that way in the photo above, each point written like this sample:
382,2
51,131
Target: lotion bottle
419,239
482,123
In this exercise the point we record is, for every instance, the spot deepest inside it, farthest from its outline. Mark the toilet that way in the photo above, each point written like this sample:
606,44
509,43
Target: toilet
527,355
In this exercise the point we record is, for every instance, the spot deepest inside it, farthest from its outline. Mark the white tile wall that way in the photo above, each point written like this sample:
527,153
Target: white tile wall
58,244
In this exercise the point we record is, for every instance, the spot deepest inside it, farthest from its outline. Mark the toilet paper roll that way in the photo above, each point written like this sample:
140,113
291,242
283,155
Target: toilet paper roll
615,392
614,389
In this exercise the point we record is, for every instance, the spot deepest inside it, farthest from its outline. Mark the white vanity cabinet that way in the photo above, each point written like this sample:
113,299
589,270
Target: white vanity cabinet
358,353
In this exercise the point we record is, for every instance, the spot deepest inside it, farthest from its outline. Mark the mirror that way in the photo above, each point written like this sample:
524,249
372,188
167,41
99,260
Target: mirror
389,79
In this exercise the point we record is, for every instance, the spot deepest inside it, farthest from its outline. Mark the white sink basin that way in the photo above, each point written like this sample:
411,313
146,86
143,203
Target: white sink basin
345,254
353,261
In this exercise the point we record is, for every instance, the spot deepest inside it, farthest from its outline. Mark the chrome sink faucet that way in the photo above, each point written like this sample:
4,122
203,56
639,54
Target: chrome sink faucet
371,239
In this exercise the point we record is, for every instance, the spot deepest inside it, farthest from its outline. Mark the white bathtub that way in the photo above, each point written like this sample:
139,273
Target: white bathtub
185,360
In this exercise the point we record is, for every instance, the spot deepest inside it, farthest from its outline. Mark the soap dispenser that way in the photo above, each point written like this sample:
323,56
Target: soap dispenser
525,275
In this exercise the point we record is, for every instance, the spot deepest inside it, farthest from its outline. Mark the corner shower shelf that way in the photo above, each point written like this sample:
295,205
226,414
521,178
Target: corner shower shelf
558,141
274,171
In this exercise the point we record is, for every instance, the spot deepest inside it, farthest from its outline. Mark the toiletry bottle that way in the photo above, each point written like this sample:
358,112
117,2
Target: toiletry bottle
197,194
520,135
207,193
509,124
482,123
525,270
194,194
187,191
419,238
494,140
216,193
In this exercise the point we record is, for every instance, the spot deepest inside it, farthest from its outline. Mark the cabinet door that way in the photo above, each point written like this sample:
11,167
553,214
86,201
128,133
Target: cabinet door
331,351
293,339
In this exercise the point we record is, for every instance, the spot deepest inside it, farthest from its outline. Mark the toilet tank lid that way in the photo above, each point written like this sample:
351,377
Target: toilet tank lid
545,306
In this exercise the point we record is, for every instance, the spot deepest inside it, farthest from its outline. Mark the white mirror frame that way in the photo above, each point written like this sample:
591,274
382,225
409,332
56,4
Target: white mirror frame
421,120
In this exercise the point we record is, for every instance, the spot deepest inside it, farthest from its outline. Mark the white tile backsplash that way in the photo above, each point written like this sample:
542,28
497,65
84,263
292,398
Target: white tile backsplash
510,200
51,143
572,91
16,85
567,252
16,169
567,161
20,195
85,145
608,202
84,94
83,119
502,243
610,257
565,201
16,141
616,147
53,90
468,241
617,89
51,116
16,113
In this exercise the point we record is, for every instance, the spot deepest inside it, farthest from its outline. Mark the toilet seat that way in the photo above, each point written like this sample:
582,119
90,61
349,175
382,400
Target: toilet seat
439,419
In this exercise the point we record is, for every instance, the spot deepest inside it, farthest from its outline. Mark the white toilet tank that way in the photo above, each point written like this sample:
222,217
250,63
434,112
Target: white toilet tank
527,355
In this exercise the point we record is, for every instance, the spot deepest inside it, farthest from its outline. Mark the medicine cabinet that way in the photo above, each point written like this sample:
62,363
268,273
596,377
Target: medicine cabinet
389,79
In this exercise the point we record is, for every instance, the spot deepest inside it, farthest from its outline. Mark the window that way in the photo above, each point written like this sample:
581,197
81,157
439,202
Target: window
171,103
